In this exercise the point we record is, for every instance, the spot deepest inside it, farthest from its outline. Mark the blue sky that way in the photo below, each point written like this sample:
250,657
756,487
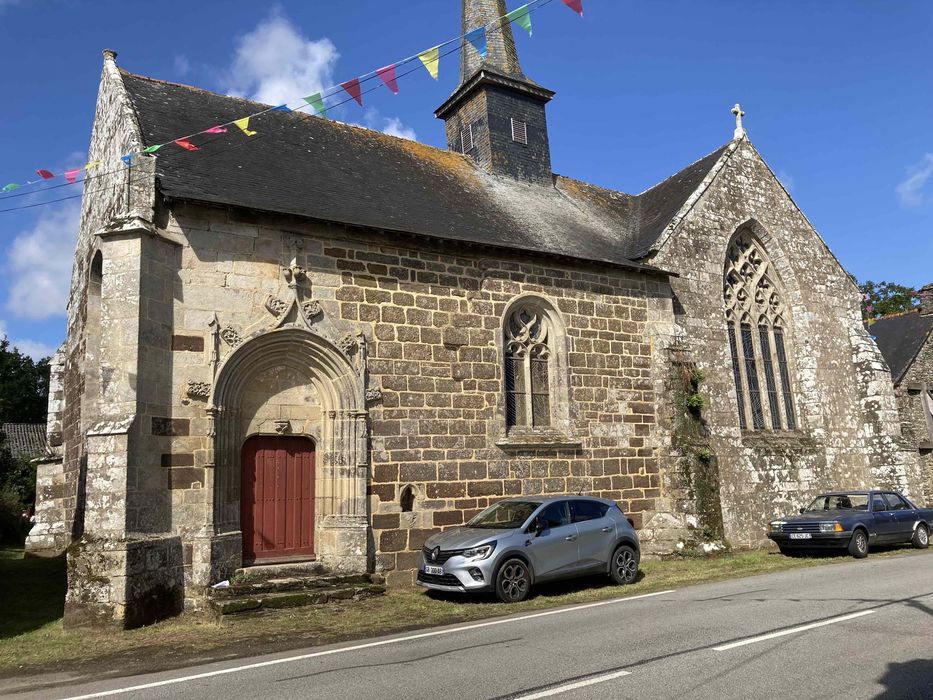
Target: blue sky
838,95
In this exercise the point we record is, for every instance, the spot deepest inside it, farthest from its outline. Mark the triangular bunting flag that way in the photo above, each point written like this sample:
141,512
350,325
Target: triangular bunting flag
152,149
280,108
387,75
72,175
243,125
521,17
478,39
216,130
45,174
186,144
127,158
92,164
353,89
430,59
575,5
317,102
9,188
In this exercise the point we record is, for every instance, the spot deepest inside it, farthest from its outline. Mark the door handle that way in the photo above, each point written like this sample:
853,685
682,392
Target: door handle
607,529
570,538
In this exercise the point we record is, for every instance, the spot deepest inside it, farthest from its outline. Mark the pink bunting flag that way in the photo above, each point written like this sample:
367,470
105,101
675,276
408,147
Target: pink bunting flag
216,130
186,144
353,89
387,75
45,174
575,5
72,175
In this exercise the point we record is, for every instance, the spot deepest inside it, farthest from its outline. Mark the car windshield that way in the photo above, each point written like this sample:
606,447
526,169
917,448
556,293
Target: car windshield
504,515
839,501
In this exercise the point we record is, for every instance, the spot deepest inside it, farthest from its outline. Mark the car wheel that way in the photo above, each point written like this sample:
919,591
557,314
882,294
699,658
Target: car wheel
858,545
513,581
624,566
921,538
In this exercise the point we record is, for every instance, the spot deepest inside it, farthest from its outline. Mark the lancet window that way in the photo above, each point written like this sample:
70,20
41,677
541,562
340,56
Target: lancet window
529,352
755,318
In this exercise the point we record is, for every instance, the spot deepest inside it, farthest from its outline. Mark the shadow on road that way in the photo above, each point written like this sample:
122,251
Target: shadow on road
908,680
543,590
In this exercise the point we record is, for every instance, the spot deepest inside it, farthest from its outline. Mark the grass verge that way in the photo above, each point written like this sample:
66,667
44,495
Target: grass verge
32,640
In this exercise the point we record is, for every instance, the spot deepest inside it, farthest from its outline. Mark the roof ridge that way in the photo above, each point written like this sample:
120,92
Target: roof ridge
898,313
686,167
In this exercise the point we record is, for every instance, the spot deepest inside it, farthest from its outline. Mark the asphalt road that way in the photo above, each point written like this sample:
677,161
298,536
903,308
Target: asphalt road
860,629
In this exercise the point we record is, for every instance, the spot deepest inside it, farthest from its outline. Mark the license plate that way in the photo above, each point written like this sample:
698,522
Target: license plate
434,570
800,536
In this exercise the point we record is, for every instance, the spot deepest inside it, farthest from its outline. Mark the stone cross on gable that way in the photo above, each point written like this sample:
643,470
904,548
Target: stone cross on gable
739,129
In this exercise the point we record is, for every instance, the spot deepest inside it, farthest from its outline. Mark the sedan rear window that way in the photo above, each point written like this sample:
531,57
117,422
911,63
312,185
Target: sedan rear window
839,501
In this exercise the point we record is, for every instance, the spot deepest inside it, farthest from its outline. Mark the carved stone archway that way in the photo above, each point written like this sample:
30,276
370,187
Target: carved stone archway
335,377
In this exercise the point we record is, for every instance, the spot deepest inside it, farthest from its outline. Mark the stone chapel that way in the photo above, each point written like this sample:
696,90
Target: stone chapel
325,343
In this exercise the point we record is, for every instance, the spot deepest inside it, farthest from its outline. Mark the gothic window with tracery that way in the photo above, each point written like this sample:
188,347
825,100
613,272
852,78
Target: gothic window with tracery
529,337
755,318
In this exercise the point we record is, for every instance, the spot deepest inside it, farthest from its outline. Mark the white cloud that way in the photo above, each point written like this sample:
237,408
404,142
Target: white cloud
182,65
394,127
39,264
34,349
911,190
276,63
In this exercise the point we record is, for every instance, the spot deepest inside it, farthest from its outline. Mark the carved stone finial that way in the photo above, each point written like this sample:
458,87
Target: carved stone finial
347,343
739,129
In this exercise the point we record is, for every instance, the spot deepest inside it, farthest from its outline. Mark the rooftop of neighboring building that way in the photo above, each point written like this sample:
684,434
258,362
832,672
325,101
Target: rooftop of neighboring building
25,440
902,336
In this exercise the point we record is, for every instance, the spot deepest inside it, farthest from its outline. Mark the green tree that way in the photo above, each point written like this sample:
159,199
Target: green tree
24,386
885,298
24,398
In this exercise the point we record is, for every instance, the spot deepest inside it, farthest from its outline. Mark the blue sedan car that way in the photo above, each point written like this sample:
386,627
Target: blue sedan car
854,520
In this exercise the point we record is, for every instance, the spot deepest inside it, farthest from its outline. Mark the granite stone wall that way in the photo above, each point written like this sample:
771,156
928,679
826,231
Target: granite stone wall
915,423
847,433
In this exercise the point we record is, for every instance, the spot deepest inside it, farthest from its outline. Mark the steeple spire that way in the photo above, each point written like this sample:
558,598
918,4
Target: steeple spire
496,115
502,55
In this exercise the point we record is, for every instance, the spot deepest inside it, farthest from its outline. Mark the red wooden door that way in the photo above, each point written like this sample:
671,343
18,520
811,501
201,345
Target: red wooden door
277,498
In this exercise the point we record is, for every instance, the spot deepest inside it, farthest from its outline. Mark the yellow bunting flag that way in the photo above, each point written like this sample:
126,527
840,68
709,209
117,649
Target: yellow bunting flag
431,58
243,125
92,164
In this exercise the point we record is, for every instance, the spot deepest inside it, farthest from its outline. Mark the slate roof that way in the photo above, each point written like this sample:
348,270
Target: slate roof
25,439
900,338
311,167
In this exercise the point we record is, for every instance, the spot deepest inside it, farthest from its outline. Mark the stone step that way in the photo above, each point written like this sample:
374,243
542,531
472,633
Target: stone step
226,606
256,585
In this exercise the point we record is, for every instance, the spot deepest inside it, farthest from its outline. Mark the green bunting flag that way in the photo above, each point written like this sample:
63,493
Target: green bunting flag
9,188
152,149
521,17
317,102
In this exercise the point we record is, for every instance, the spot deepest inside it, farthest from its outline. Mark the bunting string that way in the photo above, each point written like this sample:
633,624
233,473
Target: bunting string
428,60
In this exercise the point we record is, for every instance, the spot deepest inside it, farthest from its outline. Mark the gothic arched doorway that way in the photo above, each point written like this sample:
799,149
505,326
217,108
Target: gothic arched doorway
277,498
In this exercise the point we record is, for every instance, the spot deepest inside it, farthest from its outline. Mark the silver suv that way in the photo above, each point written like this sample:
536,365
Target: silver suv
518,542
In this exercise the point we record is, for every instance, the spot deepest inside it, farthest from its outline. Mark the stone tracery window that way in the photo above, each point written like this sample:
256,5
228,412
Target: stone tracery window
755,314
529,338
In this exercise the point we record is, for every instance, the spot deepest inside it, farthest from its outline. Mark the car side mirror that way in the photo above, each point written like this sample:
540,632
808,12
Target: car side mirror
538,525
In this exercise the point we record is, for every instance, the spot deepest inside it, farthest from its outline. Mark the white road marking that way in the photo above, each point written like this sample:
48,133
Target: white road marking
367,645
793,630
573,686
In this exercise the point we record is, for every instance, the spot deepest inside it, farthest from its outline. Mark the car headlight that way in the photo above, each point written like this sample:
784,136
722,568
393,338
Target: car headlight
831,527
481,552
775,526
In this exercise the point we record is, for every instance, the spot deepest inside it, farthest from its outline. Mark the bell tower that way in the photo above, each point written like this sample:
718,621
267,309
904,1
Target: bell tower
496,116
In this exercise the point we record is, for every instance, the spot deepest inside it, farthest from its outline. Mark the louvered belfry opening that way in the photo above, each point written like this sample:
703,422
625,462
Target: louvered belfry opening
756,319
496,116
